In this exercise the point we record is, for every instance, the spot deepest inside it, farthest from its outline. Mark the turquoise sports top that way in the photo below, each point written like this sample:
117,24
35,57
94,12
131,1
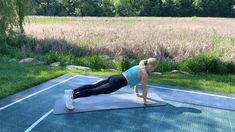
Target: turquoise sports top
132,75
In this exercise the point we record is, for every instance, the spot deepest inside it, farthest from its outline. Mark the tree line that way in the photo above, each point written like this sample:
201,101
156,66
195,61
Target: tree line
174,8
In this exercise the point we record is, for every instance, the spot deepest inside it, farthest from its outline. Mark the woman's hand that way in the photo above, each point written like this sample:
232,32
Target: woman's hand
138,95
147,103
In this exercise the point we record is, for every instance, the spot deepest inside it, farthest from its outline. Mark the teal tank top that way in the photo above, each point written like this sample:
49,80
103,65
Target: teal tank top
132,75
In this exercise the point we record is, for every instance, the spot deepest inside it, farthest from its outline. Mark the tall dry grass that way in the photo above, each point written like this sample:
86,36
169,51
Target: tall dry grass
165,38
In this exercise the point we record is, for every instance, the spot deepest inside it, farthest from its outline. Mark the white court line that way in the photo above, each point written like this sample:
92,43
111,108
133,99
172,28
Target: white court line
194,92
17,101
38,121
43,117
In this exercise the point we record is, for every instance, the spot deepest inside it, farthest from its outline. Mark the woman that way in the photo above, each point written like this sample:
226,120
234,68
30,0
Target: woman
132,77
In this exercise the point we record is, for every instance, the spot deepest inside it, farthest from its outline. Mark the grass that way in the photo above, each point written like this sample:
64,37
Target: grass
17,77
211,82
50,20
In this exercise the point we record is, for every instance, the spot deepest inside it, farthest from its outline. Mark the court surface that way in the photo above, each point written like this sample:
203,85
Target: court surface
187,110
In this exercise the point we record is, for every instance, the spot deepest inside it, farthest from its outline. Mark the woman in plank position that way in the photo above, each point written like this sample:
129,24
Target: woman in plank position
132,77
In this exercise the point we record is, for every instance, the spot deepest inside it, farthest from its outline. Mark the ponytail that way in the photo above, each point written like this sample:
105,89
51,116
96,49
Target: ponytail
150,61
143,63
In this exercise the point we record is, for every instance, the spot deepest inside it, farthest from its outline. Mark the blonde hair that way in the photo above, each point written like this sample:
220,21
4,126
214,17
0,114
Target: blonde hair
149,62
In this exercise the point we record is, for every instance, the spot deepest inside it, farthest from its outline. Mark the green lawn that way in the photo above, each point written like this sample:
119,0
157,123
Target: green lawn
216,83
17,77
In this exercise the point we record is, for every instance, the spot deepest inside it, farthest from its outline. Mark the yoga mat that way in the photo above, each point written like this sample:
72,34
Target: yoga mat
107,102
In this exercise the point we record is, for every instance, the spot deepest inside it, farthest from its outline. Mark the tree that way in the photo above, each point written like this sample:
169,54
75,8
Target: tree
217,8
12,13
108,8
80,7
22,8
130,7
50,7
184,7
7,18
153,8
168,8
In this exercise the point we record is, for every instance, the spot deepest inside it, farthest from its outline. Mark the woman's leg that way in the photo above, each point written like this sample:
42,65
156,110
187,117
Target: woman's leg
91,86
103,89
113,84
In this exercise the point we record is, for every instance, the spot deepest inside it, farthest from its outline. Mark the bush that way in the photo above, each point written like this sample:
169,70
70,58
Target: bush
123,64
207,63
50,58
13,52
94,62
230,67
4,58
165,66
97,62
216,66
64,59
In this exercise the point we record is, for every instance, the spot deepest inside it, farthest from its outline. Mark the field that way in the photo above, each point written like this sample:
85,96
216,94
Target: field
137,38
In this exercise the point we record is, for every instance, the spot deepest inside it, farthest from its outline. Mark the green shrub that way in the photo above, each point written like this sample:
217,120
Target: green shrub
122,64
62,58
230,67
82,61
195,64
165,66
50,58
14,52
66,59
216,66
97,62
4,58
94,62
207,63
5,49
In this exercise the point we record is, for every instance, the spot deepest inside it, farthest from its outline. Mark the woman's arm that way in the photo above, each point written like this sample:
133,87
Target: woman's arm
144,81
137,91
144,93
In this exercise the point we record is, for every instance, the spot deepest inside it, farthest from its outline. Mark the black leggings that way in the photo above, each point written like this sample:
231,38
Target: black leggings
112,84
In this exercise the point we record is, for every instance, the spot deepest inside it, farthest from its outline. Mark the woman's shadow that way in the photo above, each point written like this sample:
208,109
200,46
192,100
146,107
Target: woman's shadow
174,110
171,109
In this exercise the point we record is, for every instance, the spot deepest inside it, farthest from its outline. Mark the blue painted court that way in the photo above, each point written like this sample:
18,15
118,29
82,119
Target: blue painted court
187,110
